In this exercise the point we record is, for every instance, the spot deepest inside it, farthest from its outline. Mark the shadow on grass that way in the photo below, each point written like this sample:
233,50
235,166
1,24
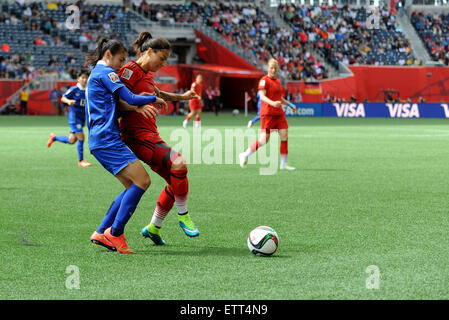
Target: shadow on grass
212,251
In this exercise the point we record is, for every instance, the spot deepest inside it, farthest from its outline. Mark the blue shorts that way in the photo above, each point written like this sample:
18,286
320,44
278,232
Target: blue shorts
115,159
76,120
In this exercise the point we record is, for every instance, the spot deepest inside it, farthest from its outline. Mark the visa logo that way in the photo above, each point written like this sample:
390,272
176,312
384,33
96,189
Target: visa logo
403,110
351,110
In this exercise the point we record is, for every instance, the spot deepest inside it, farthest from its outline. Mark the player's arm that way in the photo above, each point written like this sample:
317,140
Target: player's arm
169,96
264,98
70,102
289,104
147,110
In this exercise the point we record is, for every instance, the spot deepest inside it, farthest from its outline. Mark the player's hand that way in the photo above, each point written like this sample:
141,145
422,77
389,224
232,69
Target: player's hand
148,111
161,104
72,102
277,104
188,95
293,107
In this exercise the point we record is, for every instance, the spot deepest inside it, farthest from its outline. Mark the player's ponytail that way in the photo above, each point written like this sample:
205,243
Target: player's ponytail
145,41
140,41
114,46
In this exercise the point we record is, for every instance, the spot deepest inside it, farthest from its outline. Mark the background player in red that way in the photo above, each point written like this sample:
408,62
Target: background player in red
142,137
272,116
196,106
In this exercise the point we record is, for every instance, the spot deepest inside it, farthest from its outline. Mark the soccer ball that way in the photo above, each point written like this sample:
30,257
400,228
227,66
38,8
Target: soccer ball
263,241
235,112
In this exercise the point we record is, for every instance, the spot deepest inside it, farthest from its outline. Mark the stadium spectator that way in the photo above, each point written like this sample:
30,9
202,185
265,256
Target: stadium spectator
6,47
216,104
55,95
24,96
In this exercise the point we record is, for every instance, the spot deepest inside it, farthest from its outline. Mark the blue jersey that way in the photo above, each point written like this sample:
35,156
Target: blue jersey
101,112
259,103
77,94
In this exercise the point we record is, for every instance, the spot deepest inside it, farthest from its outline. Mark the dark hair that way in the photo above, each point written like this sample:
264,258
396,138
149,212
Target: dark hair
84,71
146,41
114,46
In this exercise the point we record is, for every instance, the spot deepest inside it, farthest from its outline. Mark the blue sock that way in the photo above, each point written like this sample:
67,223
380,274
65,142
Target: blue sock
63,139
126,210
255,119
80,147
112,212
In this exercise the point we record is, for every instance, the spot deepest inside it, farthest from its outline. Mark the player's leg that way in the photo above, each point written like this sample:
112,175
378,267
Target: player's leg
253,121
283,135
263,140
198,118
80,148
180,187
187,119
63,139
124,165
144,148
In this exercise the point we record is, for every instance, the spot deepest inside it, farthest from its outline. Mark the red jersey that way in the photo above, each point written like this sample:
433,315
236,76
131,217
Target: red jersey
198,90
274,91
137,81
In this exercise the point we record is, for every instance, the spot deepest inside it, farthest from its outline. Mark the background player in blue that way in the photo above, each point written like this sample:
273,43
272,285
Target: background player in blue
104,88
256,118
75,97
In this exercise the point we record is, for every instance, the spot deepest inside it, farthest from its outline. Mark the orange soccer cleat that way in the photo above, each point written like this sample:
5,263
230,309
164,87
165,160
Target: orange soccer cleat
100,239
84,163
51,139
118,242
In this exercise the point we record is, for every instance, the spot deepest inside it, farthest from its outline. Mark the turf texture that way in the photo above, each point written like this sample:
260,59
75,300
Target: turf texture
366,192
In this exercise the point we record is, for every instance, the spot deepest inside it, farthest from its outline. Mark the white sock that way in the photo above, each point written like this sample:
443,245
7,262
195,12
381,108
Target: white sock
283,160
247,153
181,204
158,216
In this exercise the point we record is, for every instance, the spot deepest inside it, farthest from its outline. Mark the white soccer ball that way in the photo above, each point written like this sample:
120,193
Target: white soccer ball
235,112
263,241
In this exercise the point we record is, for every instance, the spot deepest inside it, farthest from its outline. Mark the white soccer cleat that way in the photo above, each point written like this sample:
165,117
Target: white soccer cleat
243,160
250,124
287,167
197,124
184,123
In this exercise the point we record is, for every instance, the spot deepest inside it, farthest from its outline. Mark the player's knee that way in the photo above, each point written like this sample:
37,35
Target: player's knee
72,139
145,181
179,163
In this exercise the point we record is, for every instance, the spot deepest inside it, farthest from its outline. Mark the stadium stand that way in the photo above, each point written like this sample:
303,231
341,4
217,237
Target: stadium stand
433,28
246,25
342,34
39,40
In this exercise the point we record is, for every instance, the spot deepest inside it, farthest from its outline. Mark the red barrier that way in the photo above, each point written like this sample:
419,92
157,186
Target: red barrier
214,53
430,83
8,88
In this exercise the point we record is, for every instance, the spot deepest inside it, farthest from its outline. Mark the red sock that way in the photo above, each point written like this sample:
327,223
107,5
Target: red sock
284,147
254,146
164,204
180,186
197,118
188,117
166,199
179,183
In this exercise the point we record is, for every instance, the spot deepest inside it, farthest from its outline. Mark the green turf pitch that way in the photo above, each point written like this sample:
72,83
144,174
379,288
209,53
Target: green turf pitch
366,192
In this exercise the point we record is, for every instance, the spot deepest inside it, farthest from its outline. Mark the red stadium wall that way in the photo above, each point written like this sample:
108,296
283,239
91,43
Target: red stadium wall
8,88
430,83
214,53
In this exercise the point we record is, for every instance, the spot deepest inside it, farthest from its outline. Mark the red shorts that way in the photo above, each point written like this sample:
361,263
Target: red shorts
268,122
195,104
154,152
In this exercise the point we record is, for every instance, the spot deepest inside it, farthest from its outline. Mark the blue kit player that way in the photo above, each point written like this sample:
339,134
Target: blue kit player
75,97
107,96
256,118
